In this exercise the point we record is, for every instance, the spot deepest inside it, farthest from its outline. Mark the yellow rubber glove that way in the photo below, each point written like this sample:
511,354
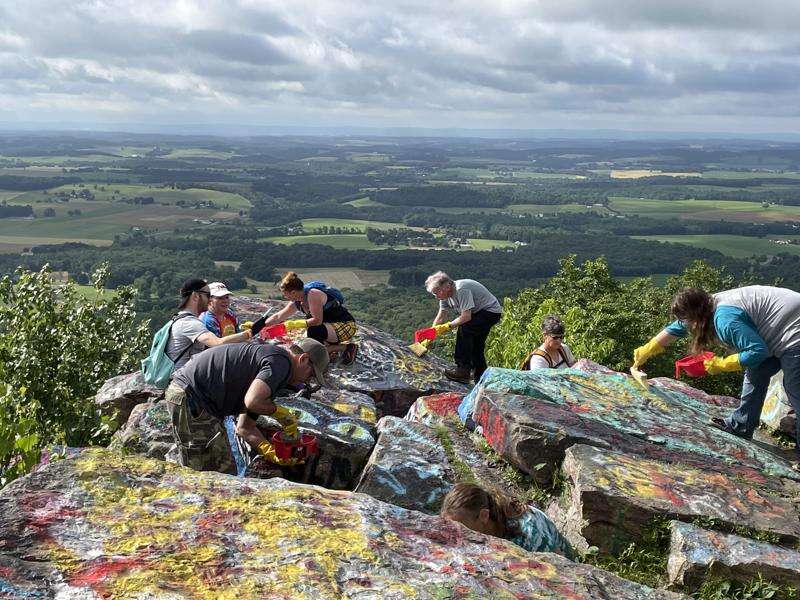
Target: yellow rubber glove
443,328
267,450
246,325
717,364
644,353
295,324
288,421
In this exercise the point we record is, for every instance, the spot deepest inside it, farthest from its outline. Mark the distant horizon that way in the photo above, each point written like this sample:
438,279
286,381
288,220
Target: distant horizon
223,130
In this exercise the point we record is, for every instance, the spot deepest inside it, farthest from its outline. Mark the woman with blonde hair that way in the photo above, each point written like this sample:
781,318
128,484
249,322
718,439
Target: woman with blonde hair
494,514
759,325
326,319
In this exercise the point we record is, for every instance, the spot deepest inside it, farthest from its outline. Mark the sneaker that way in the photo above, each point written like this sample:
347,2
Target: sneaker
459,374
722,425
349,354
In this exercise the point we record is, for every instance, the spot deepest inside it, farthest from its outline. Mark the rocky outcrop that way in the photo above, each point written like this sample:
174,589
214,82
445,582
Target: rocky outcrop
107,525
612,498
120,394
696,554
148,431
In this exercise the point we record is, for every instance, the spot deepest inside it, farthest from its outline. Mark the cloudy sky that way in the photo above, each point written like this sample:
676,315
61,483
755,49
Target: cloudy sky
694,65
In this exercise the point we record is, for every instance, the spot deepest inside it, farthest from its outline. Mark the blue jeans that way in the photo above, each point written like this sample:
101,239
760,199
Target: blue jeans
744,419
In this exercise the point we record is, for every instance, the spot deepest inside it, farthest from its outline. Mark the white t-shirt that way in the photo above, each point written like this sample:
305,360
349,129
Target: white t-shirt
185,332
540,362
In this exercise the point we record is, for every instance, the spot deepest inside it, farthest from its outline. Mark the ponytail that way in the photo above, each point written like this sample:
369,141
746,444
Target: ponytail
291,283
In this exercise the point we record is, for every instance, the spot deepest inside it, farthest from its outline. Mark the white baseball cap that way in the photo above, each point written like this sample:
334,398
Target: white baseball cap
218,289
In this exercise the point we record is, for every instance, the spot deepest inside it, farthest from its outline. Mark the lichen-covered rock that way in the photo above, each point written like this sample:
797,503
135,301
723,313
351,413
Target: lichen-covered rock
612,497
531,417
148,431
777,413
120,394
344,441
408,466
107,525
696,554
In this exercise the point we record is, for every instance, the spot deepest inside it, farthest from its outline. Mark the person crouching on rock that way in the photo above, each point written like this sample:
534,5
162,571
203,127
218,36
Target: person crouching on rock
760,324
326,319
237,379
553,353
478,311
494,514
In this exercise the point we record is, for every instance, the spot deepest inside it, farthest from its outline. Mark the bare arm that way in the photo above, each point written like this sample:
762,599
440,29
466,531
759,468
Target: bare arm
247,428
464,317
441,316
209,339
283,314
316,303
664,338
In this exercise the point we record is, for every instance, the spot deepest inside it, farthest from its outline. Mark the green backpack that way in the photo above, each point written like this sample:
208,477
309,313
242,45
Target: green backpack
157,367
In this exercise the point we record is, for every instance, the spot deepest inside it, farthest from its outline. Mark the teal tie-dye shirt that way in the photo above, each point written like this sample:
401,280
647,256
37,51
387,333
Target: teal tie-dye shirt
535,532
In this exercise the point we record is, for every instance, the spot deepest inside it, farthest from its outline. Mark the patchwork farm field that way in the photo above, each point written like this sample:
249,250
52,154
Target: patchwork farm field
705,210
344,241
738,246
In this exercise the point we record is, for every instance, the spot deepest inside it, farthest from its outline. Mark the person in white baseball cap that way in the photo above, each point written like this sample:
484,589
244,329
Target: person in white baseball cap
219,319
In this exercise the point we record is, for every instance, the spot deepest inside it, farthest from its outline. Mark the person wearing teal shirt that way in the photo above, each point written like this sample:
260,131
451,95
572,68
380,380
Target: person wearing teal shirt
759,324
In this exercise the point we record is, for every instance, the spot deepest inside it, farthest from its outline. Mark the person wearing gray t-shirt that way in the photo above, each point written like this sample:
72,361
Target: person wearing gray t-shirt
189,336
478,311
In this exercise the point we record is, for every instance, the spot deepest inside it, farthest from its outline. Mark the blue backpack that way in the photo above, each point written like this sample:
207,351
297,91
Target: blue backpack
157,367
335,296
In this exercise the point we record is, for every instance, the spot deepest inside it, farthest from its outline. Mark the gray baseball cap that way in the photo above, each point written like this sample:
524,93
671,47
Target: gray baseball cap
317,354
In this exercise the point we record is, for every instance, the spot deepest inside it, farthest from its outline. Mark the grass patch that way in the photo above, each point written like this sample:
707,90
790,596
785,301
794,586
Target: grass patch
364,202
757,588
360,225
463,472
705,210
479,244
354,241
738,246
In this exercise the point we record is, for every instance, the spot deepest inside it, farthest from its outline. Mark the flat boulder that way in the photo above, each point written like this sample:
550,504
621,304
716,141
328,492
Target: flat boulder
108,525
120,394
612,498
344,444
697,554
435,409
531,417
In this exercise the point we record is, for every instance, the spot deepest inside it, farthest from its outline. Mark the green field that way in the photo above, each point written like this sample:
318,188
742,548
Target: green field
706,210
364,202
354,241
113,192
738,246
198,153
749,175
555,208
479,244
14,244
483,173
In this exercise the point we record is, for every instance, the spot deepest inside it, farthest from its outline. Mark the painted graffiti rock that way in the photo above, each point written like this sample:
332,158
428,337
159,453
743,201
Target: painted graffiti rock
345,443
408,466
121,393
148,431
435,409
696,554
353,404
106,525
525,414
389,372
777,413
614,496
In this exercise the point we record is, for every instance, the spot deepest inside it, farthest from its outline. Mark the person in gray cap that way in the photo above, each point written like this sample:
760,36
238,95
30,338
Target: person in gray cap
237,379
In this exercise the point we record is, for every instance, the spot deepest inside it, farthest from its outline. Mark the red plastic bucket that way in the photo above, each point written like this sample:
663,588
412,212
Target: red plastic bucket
692,365
272,331
429,333
301,449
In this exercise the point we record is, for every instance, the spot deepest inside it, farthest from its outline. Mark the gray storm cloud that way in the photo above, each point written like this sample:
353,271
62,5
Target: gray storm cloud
677,64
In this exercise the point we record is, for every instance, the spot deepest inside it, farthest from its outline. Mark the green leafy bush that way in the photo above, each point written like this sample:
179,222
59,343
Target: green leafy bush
56,349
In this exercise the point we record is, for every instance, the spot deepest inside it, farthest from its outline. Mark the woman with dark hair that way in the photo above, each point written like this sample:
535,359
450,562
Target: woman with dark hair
759,324
494,514
553,353
326,319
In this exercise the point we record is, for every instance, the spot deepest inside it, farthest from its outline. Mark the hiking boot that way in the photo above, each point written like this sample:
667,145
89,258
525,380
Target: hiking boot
722,425
349,354
459,374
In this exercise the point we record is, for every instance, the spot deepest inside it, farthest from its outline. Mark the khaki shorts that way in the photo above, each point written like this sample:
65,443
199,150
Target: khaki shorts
201,440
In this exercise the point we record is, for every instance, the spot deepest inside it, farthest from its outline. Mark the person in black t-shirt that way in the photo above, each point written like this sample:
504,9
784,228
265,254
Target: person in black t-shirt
237,379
